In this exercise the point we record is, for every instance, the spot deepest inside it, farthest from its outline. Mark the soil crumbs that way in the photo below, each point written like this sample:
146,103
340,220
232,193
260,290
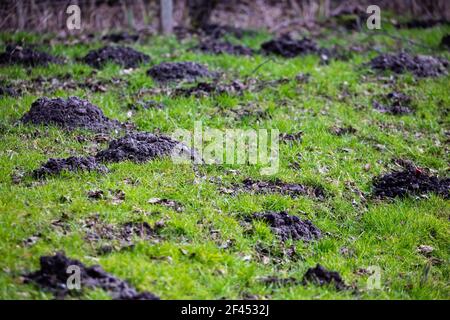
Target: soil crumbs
177,71
286,226
56,166
220,47
97,230
53,276
396,103
203,89
124,56
144,146
276,186
69,114
29,57
419,65
410,181
321,276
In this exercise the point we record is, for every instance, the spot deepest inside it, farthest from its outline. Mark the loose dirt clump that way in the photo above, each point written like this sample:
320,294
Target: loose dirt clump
123,56
221,47
55,271
204,89
396,103
410,181
121,37
177,71
340,131
143,146
279,282
291,137
321,276
97,230
56,166
420,65
445,42
70,113
26,56
422,24
8,91
277,186
287,47
286,226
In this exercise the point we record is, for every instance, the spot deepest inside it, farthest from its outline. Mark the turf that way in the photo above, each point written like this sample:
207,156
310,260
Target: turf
191,261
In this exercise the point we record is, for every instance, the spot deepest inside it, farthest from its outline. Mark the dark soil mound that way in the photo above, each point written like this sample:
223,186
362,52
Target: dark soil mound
69,114
220,47
287,47
321,276
26,56
445,42
143,146
121,37
420,66
217,31
53,276
124,56
394,103
56,166
423,24
278,186
411,181
287,227
176,71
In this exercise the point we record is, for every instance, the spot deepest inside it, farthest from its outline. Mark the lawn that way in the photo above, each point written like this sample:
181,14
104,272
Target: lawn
206,250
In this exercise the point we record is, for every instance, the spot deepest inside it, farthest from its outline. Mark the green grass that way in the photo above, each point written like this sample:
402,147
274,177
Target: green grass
189,263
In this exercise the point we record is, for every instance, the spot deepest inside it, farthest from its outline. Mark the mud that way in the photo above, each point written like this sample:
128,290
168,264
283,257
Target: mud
29,57
177,71
286,226
321,276
53,276
70,113
121,37
419,65
278,186
143,146
411,181
73,164
123,56
396,103
221,47
287,47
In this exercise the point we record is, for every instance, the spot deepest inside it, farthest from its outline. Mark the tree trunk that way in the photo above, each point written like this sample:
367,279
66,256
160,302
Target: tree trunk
166,16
